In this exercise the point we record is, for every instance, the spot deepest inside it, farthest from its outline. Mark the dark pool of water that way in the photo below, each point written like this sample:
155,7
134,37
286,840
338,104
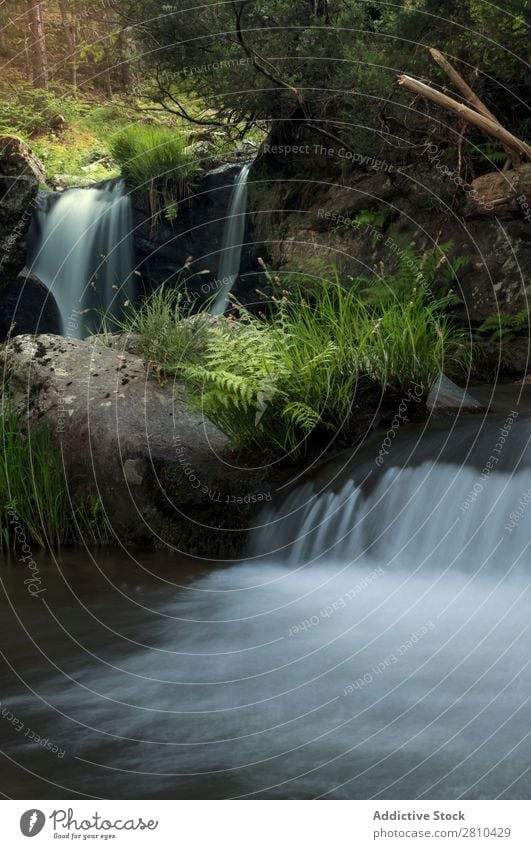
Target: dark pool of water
140,676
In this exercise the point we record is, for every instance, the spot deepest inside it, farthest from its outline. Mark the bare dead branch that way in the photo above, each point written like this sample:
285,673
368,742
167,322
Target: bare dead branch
470,95
486,125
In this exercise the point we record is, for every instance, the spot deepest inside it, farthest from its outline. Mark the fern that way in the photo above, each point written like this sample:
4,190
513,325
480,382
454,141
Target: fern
435,271
504,327
274,386
493,153
301,415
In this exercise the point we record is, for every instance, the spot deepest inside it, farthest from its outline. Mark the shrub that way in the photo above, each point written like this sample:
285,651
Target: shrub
504,327
435,271
275,383
279,383
154,160
28,110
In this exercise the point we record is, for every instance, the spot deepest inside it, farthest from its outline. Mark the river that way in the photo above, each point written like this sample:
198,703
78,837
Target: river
372,643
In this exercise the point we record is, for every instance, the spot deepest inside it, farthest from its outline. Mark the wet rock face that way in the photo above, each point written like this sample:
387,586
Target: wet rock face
361,223
20,175
162,472
164,247
446,399
27,306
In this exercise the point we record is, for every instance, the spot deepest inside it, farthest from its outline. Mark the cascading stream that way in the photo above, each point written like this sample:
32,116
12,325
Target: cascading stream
376,646
443,501
231,249
81,247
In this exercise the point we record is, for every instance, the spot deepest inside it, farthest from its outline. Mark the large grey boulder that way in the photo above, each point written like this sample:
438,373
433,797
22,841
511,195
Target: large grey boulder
163,473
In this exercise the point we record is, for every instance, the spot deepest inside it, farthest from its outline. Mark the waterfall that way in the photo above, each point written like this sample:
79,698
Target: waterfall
437,504
377,649
81,247
231,249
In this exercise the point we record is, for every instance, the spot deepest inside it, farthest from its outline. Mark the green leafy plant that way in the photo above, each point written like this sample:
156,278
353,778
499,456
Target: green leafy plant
154,159
28,110
504,327
369,220
435,272
274,384
277,383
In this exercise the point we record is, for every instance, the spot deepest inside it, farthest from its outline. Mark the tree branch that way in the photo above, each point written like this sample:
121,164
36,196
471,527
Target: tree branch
181,111
259,62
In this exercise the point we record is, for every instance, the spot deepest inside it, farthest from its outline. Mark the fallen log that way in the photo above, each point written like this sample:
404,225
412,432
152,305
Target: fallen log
503,193
487,125
470,95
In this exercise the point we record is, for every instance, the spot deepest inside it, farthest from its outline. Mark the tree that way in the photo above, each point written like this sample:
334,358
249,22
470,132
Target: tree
328,69
69,20
39,59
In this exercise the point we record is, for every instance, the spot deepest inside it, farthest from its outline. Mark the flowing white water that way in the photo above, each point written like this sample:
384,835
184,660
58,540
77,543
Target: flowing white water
231,249
378,646
82,250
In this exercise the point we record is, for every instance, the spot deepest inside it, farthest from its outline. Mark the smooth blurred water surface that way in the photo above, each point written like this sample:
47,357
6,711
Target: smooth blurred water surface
375,643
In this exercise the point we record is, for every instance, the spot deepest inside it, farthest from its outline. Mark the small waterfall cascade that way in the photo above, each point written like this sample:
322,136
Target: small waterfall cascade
455,502
377,648
231,249
81,248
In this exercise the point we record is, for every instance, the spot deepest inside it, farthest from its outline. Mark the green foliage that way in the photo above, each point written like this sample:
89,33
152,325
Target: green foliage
273,385
27,110
279,383
33,487
504,327
488,43
78,153
435,272
373,218
155,160
333,65
169,334
493,154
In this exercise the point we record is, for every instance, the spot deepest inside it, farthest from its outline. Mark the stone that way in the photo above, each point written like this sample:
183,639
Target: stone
447,399
21,172
27,306
130,343
163,473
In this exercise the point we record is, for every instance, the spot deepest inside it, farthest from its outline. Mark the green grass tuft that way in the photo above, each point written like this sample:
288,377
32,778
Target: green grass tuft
34,495
154,160
274,384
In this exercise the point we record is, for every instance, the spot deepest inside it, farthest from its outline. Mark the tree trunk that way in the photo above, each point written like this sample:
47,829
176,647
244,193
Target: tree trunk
70,31
321,10
38,44
27,58
66,25
125,67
